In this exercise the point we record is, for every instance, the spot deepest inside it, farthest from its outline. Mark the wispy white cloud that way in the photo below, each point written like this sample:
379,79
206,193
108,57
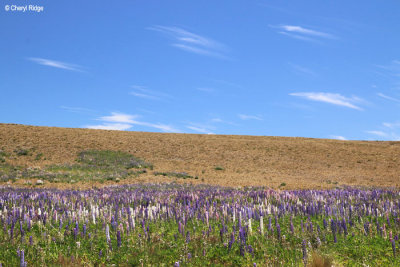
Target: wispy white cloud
389,97
219,120
299,37
119,118
388,131
391,124
143,95
200,130
305,31
378,133
249,117
163,127
110,126
192,42
301,33
143,92
207,127
338,137
393,68
331,98
197,50
56,64
122,121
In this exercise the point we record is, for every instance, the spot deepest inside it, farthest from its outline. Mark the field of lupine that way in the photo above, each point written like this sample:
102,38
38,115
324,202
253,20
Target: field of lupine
182,225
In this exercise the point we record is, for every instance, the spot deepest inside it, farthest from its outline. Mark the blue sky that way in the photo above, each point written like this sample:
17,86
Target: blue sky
323,69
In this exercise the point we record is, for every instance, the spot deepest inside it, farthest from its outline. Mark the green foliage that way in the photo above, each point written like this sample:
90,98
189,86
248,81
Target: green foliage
111,159
91,166
39,156
21,152
218,168
3,154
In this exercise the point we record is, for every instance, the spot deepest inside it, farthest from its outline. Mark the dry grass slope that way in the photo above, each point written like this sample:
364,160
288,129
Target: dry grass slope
285,162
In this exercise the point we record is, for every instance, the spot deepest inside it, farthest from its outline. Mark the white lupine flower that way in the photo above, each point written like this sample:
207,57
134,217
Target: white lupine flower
262,225
250,229
108,233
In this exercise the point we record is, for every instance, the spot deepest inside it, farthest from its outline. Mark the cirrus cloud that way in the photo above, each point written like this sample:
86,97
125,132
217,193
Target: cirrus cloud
192,42
331,98
56,64
122,121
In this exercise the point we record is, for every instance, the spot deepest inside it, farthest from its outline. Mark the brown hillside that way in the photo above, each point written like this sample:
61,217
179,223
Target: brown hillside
247,160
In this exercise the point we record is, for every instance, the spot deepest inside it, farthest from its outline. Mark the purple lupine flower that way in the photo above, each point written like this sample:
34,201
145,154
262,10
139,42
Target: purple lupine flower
21,230
187,237
333,228
22,259
304,252
394,248
278,231
31,240
119,238
230,243
189,256
250,250
241,248
176,264
344,226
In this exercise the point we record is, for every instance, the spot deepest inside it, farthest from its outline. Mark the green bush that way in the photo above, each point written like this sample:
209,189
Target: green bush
108,158
21,152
